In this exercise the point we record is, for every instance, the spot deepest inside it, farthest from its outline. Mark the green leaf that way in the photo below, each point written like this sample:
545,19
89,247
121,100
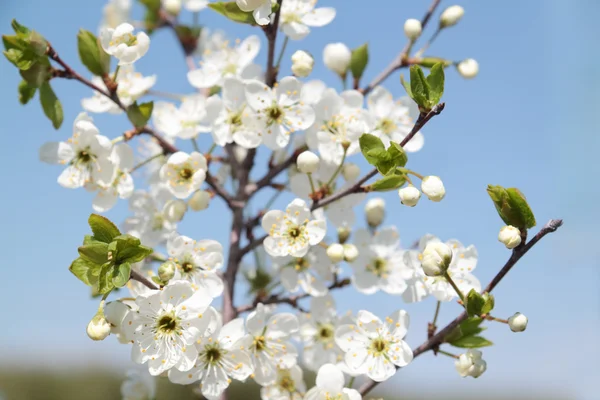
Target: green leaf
471,342
96,60
139,114
21,59
475,303
429,62
51,105
152,17
231,10
104,230
469,327
134,254
435,81
397,154
489,303
512,207
406,86
157,280
26,92
388,182
419,87
37,74
105,283
121,275
80,268
96,253
359,61
370,142
19,29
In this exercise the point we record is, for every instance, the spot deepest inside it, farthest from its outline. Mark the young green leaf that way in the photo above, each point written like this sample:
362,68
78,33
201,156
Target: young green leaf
134,254
419,87
96,60
512,207
388,182
103,229
406,86
80,269
231,10
429,62
489,303
26,92
121,275
19,29
139,114
359,60
435,80
96,253
38,73
471,342
519,203
370,142
469,327
397,154
475,303
105,279
51,105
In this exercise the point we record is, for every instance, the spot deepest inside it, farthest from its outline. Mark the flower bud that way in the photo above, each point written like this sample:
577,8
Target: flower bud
409,196
470,364
99,327
249,5
343,234
307,162
412,28
199,200
166,271
451,16
302,63
468,68
335,252
350,172
510,236
174,210
433,188
350,252
375,212
173,7
436,258
518,322
336,57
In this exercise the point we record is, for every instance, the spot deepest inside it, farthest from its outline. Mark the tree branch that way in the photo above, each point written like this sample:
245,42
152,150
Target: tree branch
439,337
273,172
136,276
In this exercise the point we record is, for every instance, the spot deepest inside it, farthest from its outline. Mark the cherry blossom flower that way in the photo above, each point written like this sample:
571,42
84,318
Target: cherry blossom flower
330,385
187,121
288,386
261,9
121,43
297,16
309,272
184,173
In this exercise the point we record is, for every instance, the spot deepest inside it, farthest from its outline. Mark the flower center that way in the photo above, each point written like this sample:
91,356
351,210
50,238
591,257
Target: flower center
167,324
378,267
259,343
325,333
379,346
230,69
274,113
187,267
157,222
212,354
234,119
387,126
186,173
84,157
287,384
300,264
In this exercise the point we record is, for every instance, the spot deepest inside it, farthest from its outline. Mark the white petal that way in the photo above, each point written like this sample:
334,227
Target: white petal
319,16
330,378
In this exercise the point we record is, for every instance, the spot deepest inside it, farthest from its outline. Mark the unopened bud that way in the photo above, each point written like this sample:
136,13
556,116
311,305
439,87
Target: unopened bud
436,258
343,234
451,15
173,7
302,63
335,252
375,212
166,271
518,322
510,236
470,364
174,210
336,57
468,68
350,172
412,28
350,252
433,187
99,327
307,162
199,200
409,196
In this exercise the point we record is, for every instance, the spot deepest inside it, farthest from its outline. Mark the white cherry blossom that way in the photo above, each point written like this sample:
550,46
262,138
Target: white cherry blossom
330,385
195,5
380,264
187,121
310,272
278,112
184,173
292,232
261,9
139,385
297,16
196,262
86,155
373,347
288,386
121,184
219,358
122,44
115,12
224,61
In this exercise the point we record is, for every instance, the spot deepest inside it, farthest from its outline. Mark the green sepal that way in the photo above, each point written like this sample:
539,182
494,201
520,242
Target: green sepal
359,61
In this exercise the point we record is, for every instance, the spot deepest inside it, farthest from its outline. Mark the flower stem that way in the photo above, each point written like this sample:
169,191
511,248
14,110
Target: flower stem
447,354
351,382
437,312
285,42
451,282
145,162
212,148
195,144
312,185
411,172
114,78
339,168
490,318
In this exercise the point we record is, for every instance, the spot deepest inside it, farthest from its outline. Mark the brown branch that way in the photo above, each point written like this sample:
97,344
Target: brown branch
136,276
273,172
402,59
357,187
271,34
440,336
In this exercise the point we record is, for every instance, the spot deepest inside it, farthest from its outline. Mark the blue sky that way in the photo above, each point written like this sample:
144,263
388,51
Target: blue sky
527,121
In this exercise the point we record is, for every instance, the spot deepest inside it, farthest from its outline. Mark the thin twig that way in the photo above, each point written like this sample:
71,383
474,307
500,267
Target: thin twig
273,172
136,276
439,337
